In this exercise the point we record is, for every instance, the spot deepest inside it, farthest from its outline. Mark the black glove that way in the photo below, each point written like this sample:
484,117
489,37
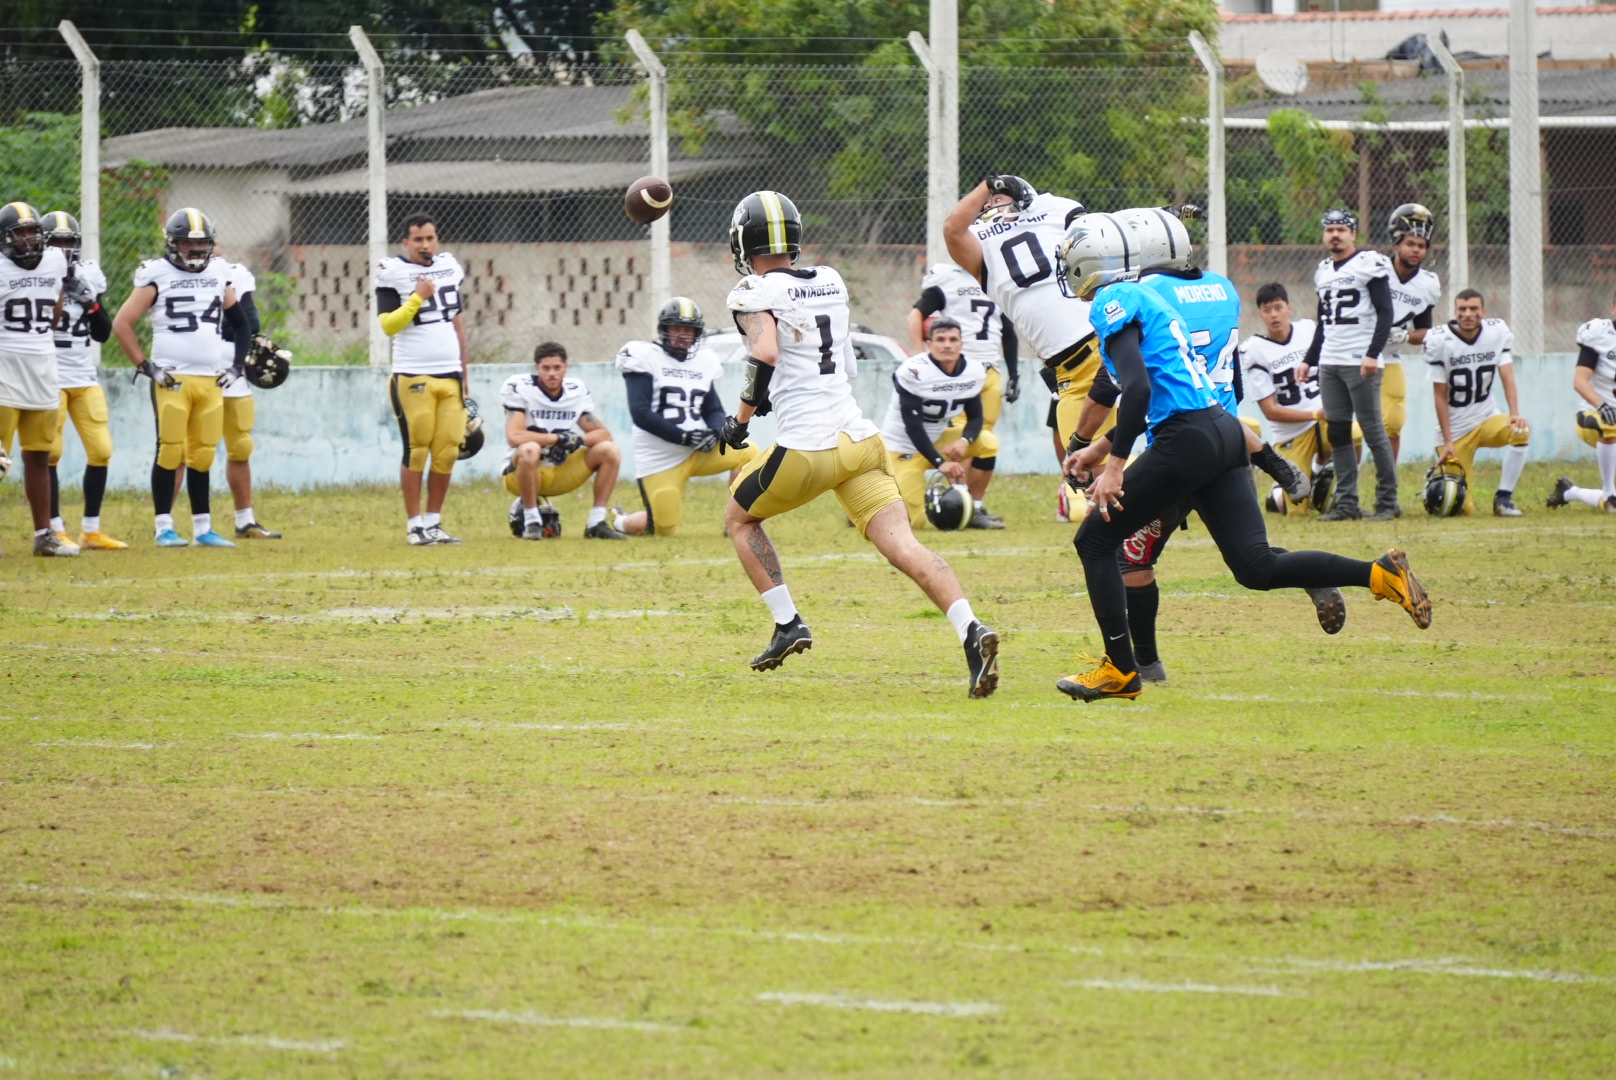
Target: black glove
1012,390
1607,414
700,440
1021,193
156,375
565,446
733,436
78,290
229,377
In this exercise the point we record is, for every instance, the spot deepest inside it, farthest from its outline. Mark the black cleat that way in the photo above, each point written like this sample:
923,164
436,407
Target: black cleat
254,531
1341,513
1557,497
982,657
602,531
1331,607
789,638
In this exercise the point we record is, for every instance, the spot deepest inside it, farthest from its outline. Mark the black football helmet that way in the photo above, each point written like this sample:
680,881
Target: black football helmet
1324,493
1338,215
267,364
680,311
1021,196
1411,219
475,438
947,507
191,240
22,236
764,223
62,231
1276,503
1445,489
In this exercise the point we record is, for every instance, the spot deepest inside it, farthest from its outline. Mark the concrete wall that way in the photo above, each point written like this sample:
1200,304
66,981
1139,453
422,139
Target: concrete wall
335,426
1566,33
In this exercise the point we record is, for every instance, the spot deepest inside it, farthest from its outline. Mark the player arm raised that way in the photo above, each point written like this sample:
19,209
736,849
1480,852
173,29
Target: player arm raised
963,246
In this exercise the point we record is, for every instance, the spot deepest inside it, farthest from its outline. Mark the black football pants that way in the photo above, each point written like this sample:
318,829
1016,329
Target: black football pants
1201,455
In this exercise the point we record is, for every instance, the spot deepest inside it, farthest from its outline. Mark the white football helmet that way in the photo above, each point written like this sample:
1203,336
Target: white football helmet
1096,250
1163,239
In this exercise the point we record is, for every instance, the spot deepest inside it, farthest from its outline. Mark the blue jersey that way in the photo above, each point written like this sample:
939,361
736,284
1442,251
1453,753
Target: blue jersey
1210,308
1176,381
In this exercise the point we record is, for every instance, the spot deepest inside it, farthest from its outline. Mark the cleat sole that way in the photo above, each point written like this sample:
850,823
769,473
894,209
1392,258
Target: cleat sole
772,662
1079,692
1331,608
988,680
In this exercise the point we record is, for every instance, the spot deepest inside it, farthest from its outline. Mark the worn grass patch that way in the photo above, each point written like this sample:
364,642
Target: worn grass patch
337,807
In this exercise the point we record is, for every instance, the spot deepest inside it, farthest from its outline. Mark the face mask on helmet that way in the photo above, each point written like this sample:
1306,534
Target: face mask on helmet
679,326
1096,250
22,240
764,223
948,506
1445,490
1411,219
191,240
62,231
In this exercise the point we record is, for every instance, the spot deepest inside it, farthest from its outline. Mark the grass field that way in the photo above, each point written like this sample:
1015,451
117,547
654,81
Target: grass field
337,807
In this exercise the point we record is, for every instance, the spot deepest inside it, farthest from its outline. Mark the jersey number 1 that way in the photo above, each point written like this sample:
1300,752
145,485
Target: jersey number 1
827,365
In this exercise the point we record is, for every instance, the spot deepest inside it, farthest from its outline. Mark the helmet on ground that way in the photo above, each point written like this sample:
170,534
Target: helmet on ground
191,239
1096,250
1163,240
1338,215
515,519
473,441
764,223
1276,503
948,506
1445,489
549,519
680,311
1411,219
1323,497
22,236
62,230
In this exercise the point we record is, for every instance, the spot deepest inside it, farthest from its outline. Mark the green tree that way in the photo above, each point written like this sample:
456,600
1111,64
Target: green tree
1317,161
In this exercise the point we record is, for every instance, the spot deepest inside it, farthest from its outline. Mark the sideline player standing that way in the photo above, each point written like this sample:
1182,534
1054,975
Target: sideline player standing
795,323
240,411
1355,319
83,320
926,390
1415,292
677,416
1594,380
189,296
1463,357
1198,451
418,301
990,339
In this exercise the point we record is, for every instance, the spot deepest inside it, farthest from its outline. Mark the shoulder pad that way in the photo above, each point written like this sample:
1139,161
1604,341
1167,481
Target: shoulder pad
1589,332
91,273
755,293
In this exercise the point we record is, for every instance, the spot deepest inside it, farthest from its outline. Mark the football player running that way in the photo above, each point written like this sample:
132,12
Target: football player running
1198,451
677,416
928,389
988,338
419,303
1594,380
83,320
1462,358
32,280
189,297
796,325
546,454
1415,292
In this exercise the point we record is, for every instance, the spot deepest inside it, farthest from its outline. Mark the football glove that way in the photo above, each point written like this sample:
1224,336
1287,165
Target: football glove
733,436
229,377
1012,390
1398,336
1607,414
566,444
156,375
79,291
701,440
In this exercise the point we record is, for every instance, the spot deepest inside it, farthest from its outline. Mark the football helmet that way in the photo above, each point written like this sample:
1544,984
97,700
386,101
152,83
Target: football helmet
62,230
1411,219
473,441
680,311
268,364
1096,250
948,506
1276,502
1163,239
22,237
1323,498
1338,215
764,223
1445,489
1021,196
191,240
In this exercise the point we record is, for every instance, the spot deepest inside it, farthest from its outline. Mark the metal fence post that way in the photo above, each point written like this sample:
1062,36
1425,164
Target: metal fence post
376,144
1217,245
89,139
1458,208
657,77
1525,182
936,247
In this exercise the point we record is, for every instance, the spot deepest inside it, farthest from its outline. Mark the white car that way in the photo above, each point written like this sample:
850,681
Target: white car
728,346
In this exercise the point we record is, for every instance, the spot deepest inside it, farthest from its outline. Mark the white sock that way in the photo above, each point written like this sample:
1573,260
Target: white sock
1585,495
244,518
41,532
531,515
1514,462
960,614
597,514
430,519
201,523
1606,453
92,524
978,504
415,522
780,605
163,522
58,525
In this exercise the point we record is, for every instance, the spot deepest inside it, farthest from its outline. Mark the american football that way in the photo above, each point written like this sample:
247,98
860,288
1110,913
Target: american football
647,199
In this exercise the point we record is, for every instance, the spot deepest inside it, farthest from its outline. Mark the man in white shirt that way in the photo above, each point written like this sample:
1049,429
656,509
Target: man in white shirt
929,390
1465,358
1594,380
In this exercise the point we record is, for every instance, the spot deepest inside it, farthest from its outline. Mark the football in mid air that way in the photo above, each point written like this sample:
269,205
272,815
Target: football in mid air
648,198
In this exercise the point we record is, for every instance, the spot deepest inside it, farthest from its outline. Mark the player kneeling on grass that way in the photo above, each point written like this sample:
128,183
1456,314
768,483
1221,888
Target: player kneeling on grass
928,390
1595,383
678,417
1463,357
544,413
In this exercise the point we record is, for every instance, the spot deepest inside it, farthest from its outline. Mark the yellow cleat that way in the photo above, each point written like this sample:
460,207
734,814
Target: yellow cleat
100,541
1104,681
1391,579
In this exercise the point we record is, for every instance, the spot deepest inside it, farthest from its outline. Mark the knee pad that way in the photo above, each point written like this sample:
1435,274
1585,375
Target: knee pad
200,459
443,459
985,464
98,447
415,461
1339,432
170,455
239,448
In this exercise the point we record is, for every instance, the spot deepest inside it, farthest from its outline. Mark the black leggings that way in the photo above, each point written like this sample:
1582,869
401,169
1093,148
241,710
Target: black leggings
1201,455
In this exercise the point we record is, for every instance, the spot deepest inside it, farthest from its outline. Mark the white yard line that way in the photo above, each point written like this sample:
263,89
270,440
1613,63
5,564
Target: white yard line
303,735
267,1042
1446,965
97,744
500,1016
921,1008
1141,985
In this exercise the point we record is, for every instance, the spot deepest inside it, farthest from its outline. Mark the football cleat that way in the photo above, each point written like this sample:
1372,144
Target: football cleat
170,538
1156,672
533,530
1331,608
1610,504
1504,506
1063,506
1340,513
52,545
254,531
789,638
1557,497
63,538
982,657
212,539
1391,579
1390,513
99,541
436,534
981,519
1101,682
602,531
418,537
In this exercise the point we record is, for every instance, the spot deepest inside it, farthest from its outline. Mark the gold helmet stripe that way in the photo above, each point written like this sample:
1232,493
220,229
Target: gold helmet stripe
194,219
56,219
24,211
775,216
687,309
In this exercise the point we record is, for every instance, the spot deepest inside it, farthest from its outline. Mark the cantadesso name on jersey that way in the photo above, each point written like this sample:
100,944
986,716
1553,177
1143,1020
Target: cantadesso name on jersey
1193,294
808,292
